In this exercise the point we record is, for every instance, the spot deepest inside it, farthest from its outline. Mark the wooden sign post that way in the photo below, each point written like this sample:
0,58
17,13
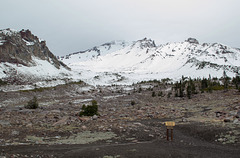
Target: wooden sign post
170,126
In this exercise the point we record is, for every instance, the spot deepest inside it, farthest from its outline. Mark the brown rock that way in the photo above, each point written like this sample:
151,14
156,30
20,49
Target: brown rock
227,120
63,121
84,119
29,125
95,117
84,127
238,114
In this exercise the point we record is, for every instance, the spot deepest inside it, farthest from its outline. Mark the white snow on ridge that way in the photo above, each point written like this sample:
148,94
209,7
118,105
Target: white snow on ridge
43,69
143,61
28,43
94,52
8,32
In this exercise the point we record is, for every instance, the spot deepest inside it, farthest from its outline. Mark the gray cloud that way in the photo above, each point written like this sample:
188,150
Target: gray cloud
72,25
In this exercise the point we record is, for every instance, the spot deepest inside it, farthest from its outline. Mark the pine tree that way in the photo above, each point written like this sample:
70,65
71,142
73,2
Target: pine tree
89,110
153,94
181,89
189,91
210,87
193,87
237,80
176,89
204,84
225,80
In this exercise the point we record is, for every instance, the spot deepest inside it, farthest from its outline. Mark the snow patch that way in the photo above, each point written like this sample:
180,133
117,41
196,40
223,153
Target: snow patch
28,43
8,32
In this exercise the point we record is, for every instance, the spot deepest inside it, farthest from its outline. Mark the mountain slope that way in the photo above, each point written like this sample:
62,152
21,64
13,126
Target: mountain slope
25,58
94,52
143,60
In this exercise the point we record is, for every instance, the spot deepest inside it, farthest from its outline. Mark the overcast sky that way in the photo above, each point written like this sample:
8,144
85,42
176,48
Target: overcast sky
72,25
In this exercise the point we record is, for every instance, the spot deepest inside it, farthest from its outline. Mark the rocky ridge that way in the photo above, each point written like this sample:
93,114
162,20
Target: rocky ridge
26,58
19,47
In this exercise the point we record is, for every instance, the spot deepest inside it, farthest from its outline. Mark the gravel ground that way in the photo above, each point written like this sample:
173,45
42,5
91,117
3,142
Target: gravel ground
206,125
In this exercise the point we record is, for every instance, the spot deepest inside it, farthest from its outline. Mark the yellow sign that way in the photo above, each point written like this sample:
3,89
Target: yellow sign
171,124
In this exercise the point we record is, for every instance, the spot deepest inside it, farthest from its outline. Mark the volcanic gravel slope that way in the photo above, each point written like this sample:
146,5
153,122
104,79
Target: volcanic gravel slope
206,125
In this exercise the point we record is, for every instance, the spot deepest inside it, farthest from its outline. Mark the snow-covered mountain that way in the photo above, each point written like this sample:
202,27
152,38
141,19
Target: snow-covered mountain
25,59
143,60
93,53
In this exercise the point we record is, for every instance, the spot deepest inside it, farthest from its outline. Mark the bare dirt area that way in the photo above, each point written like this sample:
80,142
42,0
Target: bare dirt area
130,123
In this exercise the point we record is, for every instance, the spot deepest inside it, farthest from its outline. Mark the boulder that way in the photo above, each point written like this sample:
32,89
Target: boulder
84,127
236,121
95,117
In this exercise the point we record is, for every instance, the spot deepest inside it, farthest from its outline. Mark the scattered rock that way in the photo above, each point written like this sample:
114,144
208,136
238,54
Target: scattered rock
184,120
236,121
112,109
15,133
232,113
227,120
137,123
135,141
29,125
140,111
150,115
84,119
238,114
63,121
55,111
220,113
84,127
150,135
4,123
95,117
124,115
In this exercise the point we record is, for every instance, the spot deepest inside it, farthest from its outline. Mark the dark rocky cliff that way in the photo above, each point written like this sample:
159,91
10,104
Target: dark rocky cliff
20,47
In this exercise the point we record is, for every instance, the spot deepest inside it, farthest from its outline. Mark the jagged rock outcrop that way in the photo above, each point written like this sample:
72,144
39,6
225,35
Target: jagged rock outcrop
26,60
145,43
19,47
192,40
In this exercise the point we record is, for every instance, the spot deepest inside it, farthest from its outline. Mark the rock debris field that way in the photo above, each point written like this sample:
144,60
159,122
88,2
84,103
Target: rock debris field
130,123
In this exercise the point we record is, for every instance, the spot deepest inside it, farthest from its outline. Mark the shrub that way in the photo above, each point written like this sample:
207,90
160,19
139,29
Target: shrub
133,102
32,104
189,92
89,110
153,94
169,94
160,94
2,82
217,88
140,90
